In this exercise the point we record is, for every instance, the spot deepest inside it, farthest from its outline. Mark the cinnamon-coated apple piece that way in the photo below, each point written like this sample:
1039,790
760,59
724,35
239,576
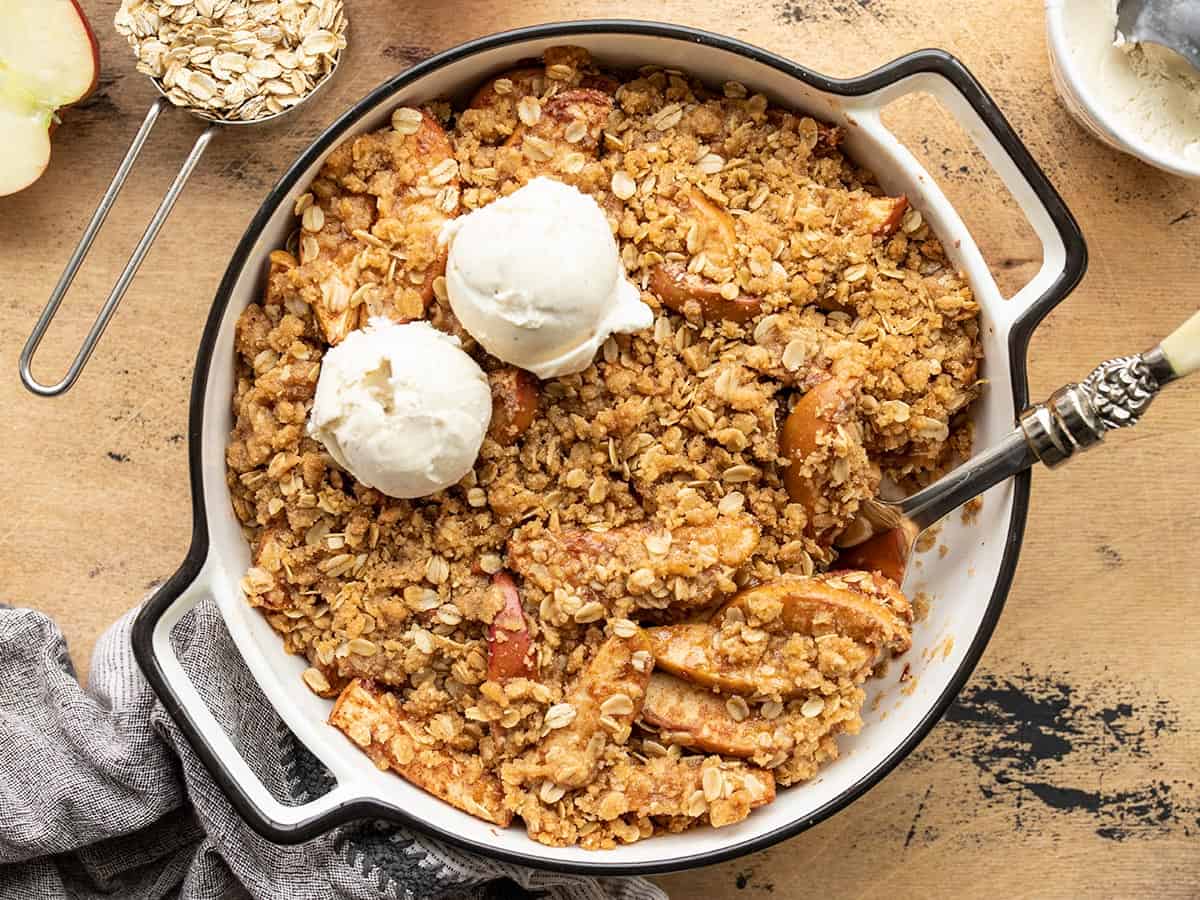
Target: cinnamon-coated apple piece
716,235
372,718
675,286
334,314
518,82
711,233
815,415
514,404
49,59
269,588
688,651
568,123
430,154
867,609
880,216
697,717
509,642
406,221
499,95
600,707
812,422
886,553
864,606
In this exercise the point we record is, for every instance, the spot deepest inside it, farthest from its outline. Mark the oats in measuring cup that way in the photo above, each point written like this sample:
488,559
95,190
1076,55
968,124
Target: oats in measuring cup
232,59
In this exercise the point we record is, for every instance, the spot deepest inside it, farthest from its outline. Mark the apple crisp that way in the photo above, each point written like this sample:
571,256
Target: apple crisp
630,617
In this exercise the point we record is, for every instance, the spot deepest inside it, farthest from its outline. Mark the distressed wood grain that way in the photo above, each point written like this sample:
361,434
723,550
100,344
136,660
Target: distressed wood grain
1068,766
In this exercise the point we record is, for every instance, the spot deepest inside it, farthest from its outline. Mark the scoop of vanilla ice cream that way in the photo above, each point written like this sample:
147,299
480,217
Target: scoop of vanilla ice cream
536,278
401,408
1152,92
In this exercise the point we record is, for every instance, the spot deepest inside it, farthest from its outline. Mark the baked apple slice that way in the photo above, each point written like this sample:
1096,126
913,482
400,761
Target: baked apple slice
676,287
644,556
829,468
334,314
815,417
509,642
514,404
793,738
880,216
557,136
716,235
697,652
697,717
710,233
373,720
370,240
492,112
601,707
886,552
412,210
498,97
870,611
522,81
866,607
264,584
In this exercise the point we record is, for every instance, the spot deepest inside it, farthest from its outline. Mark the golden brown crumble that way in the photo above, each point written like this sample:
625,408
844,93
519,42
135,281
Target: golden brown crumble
623,620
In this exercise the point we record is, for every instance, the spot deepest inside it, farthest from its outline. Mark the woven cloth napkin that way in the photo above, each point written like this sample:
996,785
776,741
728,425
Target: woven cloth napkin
101,796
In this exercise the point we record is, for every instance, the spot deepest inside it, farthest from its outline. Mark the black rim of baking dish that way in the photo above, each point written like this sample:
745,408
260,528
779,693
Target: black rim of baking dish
924,61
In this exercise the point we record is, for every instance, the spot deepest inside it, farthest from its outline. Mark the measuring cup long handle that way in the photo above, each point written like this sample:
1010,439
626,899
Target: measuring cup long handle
131,267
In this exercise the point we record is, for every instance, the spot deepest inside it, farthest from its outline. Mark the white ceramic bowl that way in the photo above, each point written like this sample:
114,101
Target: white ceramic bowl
969,583
1082,96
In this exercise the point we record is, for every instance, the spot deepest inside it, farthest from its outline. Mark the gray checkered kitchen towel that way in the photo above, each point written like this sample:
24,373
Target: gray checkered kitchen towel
101,796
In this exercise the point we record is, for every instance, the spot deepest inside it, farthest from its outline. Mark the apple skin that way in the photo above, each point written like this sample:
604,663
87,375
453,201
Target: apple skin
36,151
56,120
509,641
91,36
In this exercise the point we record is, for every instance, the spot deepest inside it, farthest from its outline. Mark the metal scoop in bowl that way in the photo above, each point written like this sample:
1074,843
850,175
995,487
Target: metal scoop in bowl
143,245
1075,418
1174,24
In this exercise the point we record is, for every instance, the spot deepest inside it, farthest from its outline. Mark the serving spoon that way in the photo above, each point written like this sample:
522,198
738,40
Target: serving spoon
1075,418
1174,24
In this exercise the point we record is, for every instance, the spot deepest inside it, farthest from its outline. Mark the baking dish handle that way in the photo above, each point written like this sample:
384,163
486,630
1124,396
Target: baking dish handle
228,768
1064,252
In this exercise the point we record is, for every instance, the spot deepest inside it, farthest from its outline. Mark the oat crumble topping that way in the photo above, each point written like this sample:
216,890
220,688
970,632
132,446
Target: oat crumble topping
629,618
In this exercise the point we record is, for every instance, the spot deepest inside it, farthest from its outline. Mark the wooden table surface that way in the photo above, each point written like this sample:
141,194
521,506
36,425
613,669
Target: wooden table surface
1068,766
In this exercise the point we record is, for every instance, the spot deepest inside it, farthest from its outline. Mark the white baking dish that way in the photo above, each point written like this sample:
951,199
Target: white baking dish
969,583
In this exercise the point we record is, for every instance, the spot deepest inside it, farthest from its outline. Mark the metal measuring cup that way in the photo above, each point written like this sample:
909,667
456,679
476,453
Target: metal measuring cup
143,245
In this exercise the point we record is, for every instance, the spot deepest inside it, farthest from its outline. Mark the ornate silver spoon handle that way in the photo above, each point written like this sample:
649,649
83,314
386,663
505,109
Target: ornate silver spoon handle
1075,418
1114,395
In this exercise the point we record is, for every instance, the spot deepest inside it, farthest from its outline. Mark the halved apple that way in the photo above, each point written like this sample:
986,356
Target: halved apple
48,59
